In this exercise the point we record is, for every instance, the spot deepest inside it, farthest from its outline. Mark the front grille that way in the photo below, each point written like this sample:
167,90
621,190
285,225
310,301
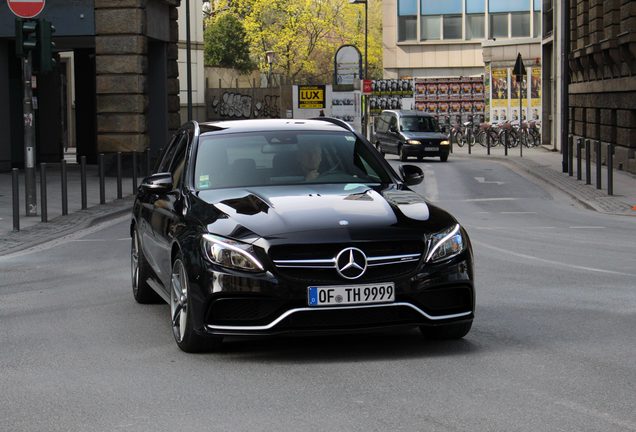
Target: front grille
317,263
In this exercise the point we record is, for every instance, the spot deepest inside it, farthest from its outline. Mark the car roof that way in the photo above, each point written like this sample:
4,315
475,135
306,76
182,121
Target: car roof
260,125
409,113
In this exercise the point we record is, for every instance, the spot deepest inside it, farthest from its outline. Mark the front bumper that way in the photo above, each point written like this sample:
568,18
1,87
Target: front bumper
422,150
232,304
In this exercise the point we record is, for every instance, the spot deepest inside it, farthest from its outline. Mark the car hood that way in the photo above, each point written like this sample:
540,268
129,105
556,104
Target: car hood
316,212
424,135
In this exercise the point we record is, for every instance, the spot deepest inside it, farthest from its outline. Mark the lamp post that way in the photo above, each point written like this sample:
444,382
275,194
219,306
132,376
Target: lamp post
269,55
366,56
188,61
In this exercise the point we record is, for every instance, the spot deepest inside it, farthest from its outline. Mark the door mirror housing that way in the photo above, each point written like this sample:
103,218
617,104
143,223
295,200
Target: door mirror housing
411,174
158,183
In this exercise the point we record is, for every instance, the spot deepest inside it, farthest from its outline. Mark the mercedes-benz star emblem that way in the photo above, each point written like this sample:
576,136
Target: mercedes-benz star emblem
351,263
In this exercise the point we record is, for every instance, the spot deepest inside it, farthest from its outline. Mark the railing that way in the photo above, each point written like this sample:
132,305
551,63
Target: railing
115,160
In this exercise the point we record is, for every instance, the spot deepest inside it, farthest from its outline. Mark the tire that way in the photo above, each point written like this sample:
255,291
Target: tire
403,156
446,332
444,157
139,272
459,139
180,317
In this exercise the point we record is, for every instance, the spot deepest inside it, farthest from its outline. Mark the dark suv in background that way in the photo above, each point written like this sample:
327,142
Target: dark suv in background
410,133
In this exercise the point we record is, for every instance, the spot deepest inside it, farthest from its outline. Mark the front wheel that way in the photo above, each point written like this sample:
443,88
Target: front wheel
403,156
444,157
446,332
181,313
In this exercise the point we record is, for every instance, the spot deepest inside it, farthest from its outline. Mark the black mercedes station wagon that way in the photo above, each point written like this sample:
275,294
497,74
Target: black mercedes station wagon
262,227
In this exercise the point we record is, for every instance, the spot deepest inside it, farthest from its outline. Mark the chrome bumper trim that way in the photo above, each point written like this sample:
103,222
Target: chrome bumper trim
314,309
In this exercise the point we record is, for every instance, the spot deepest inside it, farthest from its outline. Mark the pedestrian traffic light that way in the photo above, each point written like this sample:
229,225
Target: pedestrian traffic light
25,36
46,46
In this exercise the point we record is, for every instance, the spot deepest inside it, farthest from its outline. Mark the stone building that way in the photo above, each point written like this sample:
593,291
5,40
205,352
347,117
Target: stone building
116,86
602,69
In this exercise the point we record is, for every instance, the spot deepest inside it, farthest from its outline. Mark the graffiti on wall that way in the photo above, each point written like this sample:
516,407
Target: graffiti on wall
237,105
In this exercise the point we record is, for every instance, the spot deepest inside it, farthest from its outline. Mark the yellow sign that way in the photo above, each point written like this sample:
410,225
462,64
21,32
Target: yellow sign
311,97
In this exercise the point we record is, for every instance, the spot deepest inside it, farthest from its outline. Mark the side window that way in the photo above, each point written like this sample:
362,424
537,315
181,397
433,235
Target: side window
382,124
394,124
177,166
168,155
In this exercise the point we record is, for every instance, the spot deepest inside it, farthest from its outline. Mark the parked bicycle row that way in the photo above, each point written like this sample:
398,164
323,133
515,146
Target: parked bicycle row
528,135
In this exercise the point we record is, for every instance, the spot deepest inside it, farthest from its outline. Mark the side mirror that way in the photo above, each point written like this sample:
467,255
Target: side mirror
412,175
392,129
158,183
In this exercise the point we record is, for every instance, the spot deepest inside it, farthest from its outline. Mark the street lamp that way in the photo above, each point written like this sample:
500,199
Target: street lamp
269,55
366,34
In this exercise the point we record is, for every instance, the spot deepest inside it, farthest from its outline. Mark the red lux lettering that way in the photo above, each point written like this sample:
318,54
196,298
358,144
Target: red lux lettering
311,95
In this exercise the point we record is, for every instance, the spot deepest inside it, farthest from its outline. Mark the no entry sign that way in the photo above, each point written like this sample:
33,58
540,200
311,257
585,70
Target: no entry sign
26,8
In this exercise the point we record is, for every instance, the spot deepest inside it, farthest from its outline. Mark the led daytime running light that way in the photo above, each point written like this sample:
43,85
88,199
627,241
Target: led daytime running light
216,240
441,242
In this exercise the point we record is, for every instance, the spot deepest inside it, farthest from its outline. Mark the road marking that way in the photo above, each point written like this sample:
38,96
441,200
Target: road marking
587,227
489,199
483,181
552,262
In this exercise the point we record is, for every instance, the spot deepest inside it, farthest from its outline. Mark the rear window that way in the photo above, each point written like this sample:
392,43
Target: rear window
284,157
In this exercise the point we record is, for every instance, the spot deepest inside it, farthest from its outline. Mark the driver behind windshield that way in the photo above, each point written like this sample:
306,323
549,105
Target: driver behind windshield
309,157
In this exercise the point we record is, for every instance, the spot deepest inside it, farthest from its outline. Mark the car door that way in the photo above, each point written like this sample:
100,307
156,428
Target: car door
393,135
166,209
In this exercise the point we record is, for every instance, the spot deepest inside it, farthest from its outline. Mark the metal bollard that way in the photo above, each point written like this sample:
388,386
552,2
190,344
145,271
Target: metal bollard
118,175
588,162
506,136
64,189
83,181
102,180
610,169
15,183
134,172
598,164
488,142
469,146
45,216
570,155
148,168
579,145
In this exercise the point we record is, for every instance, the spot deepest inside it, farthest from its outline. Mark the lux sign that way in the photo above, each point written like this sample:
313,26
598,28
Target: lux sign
311,97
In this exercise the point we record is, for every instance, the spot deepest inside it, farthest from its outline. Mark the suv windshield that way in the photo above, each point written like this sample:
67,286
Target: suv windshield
284,157
418,124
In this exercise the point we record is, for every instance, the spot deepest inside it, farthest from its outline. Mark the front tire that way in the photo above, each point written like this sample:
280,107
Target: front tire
139,272
403,156
444,157
181,313
446,332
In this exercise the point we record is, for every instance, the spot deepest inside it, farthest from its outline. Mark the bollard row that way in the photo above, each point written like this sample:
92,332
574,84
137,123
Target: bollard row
586,144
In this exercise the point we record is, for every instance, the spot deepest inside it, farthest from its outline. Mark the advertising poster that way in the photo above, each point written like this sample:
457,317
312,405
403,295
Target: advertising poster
499,88
388,94
487,91
535,87
311,97
454,98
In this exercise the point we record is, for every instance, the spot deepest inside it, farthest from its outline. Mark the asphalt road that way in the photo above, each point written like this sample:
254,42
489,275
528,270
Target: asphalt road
553,346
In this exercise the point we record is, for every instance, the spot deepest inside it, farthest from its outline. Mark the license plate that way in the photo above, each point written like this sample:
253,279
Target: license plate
431,148
340,295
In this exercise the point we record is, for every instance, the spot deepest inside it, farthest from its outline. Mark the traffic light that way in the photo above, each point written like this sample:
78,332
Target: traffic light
46,46
25,36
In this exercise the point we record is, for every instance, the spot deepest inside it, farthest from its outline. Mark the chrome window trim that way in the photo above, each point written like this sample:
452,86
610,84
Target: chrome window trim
314,309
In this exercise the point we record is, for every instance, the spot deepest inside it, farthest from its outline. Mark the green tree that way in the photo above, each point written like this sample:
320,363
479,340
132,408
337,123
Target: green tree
226,44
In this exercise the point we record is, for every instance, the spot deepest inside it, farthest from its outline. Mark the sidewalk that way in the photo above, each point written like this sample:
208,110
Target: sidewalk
546,165
541,163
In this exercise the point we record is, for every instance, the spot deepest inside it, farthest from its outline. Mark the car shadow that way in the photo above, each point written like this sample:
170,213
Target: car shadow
380,345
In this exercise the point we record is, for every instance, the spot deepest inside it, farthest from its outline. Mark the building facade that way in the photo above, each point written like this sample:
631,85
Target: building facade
119,84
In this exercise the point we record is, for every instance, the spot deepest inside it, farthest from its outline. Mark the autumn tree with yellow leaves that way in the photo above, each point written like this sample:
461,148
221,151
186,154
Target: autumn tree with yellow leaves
305,34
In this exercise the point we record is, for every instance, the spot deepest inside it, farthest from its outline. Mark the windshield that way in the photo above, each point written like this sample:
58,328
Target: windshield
419,124
284,157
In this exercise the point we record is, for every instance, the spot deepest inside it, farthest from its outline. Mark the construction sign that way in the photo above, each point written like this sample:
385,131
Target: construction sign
311,97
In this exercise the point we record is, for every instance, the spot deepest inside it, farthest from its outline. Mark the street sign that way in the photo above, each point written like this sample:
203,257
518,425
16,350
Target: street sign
367,87
519,70
311,97
26,8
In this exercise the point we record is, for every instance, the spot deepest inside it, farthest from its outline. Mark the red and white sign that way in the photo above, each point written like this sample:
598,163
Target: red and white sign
26,8
367,87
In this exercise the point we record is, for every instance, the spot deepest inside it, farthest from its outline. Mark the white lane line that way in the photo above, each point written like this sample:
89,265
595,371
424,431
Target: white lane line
587,227
551,262
489,199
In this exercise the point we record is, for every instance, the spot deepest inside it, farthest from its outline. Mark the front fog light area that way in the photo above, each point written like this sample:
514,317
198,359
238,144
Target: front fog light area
446,244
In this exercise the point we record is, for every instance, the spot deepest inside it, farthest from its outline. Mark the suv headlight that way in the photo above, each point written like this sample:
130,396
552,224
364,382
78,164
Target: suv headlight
414,142
446,244
231,254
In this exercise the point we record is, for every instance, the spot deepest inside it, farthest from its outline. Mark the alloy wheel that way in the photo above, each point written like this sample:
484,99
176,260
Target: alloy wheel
179,300
134,262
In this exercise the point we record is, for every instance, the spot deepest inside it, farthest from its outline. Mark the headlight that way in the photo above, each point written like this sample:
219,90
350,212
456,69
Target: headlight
231,254
414,142
445,142
446,244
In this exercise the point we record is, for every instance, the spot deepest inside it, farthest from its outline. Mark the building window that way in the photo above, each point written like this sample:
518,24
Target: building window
475,26
498,25
520,24
536,19
431,27
407,20
452,27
